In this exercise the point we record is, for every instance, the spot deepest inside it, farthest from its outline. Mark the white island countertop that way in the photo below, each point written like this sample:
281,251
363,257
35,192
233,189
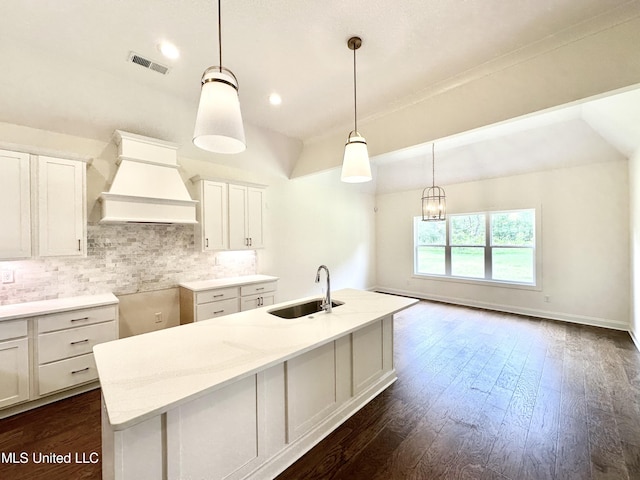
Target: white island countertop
146,375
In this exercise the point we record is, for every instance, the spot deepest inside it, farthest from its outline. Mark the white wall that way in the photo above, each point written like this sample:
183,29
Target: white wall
319,220
634,195
585,243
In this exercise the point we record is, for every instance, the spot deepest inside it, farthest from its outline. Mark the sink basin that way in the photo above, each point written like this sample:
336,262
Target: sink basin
302,309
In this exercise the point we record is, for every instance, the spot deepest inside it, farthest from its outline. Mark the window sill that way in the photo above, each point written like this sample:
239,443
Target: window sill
478,281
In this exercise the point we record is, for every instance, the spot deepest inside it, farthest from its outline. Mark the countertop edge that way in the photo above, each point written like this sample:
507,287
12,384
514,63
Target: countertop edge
200,285
17,311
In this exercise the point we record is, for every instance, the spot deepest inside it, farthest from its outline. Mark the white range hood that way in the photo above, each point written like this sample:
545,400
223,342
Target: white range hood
147,187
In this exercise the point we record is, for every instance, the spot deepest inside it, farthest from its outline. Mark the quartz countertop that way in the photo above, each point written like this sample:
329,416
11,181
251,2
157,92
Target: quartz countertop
57,305
227,282
146,375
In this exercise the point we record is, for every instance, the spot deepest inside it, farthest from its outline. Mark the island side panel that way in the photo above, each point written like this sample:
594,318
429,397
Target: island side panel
216,435
135,453
367,355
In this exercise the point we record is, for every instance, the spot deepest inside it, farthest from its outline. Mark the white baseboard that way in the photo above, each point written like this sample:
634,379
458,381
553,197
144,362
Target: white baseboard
531,312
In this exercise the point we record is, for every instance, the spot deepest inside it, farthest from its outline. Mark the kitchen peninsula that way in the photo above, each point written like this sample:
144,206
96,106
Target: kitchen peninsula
244,395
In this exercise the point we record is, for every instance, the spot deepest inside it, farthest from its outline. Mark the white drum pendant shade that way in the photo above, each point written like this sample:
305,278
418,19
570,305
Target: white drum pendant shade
219,126
355,164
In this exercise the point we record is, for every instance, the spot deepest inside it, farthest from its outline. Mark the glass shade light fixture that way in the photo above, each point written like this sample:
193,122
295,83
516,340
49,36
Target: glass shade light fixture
219,126
434,202
355,164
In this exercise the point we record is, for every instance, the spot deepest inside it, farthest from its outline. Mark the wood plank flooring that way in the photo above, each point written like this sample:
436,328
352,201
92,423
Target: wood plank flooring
480,395
67,426
486,395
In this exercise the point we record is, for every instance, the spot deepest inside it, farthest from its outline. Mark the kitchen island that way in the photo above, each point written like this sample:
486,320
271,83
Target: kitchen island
245,395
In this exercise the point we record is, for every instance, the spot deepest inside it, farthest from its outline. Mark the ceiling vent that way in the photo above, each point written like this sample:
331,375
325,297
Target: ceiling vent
146,63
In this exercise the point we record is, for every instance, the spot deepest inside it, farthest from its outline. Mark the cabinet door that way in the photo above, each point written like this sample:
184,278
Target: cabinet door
238,238
62,207
14,372
214,216
255,203
256,301
15,205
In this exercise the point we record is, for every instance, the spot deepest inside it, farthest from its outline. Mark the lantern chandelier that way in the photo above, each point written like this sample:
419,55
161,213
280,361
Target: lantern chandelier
355,164
219,126
434,206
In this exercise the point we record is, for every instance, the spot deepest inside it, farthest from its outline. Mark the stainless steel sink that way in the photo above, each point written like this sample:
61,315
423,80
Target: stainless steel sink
302,309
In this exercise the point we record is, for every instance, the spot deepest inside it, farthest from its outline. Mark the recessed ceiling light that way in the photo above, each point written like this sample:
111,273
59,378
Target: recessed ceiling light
275,99
169,50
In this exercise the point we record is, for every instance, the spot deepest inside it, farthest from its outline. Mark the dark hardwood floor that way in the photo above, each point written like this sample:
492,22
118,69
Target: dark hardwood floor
480,395
67,426
486,395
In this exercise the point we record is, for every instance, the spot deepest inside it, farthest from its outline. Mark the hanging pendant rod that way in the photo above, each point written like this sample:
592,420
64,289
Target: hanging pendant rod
433,165
220,35
355,43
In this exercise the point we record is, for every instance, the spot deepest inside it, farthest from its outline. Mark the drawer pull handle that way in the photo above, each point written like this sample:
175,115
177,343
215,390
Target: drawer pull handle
79,319
219,295
219,311
85,369
80,341
261,288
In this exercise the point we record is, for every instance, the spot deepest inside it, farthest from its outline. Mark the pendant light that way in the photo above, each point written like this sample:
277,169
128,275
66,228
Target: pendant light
355,164
219,121
434,206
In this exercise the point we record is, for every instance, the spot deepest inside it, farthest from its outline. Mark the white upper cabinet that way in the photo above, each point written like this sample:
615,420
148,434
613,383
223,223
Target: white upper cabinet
212,215
61,206
245,217
15,205
255,213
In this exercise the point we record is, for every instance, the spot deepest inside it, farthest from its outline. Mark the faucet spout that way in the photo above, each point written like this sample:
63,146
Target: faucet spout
326,301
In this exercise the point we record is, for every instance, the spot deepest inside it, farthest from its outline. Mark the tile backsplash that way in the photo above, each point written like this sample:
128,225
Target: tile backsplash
123,258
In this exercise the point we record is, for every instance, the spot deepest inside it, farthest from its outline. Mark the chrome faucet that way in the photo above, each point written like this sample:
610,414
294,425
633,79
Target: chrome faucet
326,301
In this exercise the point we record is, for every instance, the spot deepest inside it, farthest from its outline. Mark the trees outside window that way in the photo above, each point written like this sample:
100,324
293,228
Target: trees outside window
497,246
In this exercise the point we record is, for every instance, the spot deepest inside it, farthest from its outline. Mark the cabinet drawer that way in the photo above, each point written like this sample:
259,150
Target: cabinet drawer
76,318
66,373
13,329
217,309
258,288
73,341
216,295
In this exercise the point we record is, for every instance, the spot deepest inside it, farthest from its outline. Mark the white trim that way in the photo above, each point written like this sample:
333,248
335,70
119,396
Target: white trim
635,339
476,281
209,178
47,152
532,312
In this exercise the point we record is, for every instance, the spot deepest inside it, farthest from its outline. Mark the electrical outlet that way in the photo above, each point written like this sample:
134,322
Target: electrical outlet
158,317
7,276
547,299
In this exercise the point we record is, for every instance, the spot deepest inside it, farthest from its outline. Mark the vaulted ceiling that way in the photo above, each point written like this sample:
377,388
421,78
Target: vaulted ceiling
65,70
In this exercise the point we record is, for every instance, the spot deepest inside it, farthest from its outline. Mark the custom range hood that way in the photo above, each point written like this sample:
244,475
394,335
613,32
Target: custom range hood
147,187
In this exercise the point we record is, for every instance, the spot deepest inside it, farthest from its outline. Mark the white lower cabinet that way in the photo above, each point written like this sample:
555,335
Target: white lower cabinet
217,308
52,353
64,346
199,302
14,363
257,295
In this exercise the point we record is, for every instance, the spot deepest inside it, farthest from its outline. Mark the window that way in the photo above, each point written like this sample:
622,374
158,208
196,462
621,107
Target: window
496,246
